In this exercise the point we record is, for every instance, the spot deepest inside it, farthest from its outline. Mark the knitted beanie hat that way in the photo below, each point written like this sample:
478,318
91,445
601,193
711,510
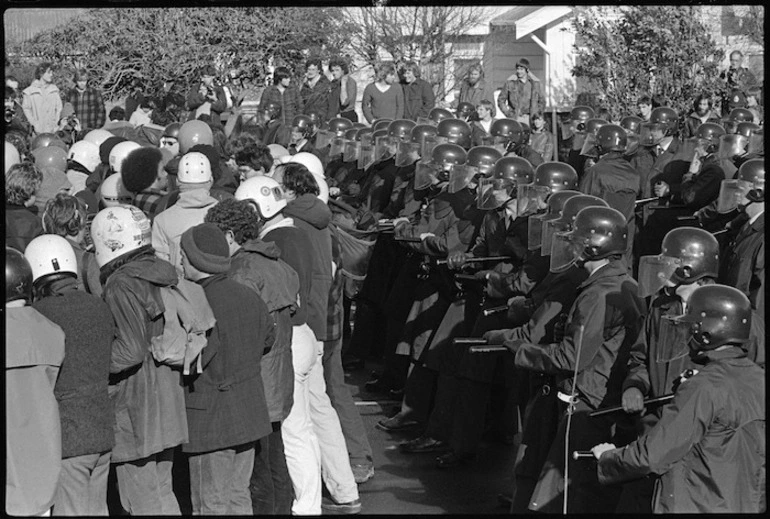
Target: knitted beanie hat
206,248
106,147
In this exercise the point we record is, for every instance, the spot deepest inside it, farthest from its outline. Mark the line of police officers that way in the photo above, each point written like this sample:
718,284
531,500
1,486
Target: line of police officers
585,335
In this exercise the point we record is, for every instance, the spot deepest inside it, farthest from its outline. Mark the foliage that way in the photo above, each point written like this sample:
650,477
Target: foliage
426,35
661,51
117,45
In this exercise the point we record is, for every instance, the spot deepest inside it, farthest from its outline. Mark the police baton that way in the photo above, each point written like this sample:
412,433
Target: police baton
478,345
477,260
495,310
470,278
643,201
582,454
651,401
408,239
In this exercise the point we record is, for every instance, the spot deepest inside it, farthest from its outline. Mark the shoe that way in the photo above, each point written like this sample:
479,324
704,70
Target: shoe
451,460
363,472
352,364
424,444
396,423
332,507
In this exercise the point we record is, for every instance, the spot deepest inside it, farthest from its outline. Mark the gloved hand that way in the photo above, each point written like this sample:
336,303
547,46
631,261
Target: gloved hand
496,286
334,192
456,260
518,310
633,400
425,235
600,449
495,336
661,189
560,328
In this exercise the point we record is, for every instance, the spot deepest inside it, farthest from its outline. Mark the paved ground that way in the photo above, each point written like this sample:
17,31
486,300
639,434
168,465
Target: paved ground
411,484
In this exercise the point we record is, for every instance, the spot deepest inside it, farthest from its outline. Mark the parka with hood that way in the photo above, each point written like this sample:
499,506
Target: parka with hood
257,264
313,216
149,399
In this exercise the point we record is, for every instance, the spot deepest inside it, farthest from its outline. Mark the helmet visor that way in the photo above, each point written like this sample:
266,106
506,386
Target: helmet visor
590,148
460,177
337,146
366,156
632,143
407,153
757,143
430,142
674,338
324,138
494,193
535,231
565,251
654,272
351,151
551,227
426,173
383,147
686,150
731,147
532,198
731,194
650,134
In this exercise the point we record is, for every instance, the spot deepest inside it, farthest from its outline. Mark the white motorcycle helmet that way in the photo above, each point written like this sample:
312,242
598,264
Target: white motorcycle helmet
112,192
316,168
265,193
50,254
194,168
12,156
119,153
97,136
85,153
118,230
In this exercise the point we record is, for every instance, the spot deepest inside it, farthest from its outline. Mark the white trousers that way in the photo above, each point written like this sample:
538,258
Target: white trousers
312,436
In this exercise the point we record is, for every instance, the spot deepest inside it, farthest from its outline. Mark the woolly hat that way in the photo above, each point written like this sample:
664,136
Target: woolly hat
140,168
206,248
106,147
523,62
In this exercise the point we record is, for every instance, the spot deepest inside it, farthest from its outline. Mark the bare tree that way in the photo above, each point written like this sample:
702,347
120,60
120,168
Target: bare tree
426,35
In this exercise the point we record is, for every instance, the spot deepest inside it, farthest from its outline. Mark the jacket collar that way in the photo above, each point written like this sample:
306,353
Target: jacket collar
615,268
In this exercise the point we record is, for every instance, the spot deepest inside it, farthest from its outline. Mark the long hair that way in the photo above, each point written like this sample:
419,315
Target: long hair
383,70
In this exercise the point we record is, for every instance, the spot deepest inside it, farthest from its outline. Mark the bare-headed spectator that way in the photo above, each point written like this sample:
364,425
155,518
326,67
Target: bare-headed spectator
66,215
474,89
21,224
251,157
342,100
315,89
87,102
117,114
42,102
419,98
384,97
702,113
282,93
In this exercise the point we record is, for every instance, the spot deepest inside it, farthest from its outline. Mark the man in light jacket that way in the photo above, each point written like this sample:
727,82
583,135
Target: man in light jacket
41,102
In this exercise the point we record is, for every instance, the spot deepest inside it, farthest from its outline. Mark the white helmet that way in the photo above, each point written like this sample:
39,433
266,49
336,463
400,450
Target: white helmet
50,254
119,153
86,153
276,150
194,168
97,136
112,192
314,165
118,230
11,156
263,191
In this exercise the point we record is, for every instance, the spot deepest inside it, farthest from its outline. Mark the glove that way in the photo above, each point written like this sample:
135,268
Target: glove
661,189
495,285
425,235
495,336
334,192
600,449
456,260
633,400
519,310
560,328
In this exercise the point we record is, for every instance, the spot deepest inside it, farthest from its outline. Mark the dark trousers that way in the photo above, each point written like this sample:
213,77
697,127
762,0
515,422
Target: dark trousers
271,489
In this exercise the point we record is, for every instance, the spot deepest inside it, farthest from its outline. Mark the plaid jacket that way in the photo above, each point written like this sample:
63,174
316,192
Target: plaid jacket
88,106
152,203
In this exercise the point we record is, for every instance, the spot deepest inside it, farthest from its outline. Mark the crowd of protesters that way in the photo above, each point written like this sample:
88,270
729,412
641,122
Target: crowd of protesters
181,273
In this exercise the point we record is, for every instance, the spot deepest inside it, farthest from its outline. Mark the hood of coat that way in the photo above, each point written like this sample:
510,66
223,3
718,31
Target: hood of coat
143,265
266,248
310,209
